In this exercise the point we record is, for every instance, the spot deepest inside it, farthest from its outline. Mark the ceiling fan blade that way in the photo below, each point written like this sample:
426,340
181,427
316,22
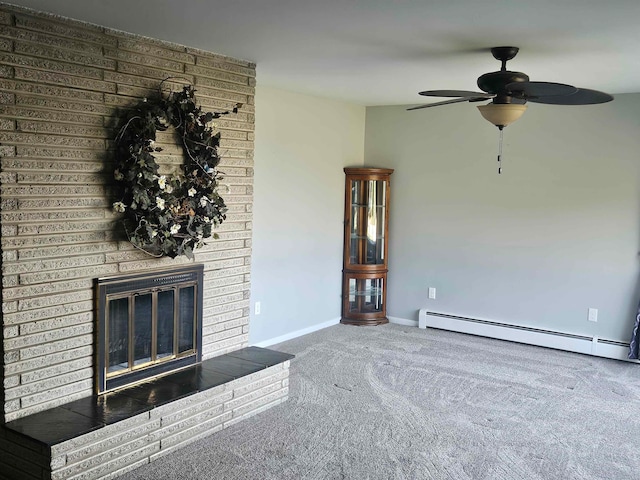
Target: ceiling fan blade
583,96
455,93
446,102
531,90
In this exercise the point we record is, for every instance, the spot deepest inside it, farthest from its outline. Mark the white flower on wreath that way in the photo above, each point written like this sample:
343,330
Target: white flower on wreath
204,201
118,175
160,203
168,189
162,182
119,207
192,191
206,219
175,228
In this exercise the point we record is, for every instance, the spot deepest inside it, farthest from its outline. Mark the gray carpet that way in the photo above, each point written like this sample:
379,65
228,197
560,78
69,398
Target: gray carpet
394,402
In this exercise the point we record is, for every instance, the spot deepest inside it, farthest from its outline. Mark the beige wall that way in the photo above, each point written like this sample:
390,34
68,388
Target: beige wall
63,87
555,234
302,145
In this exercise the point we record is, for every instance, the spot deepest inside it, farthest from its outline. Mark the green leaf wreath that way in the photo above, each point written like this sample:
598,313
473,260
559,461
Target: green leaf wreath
169,215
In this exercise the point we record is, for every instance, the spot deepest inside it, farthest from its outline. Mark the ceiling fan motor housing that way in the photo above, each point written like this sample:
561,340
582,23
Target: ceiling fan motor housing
496,83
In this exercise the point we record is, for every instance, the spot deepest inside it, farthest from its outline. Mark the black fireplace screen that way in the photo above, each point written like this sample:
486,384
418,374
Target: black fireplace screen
149,324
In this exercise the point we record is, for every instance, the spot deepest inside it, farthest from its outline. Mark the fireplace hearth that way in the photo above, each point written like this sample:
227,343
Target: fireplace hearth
148,324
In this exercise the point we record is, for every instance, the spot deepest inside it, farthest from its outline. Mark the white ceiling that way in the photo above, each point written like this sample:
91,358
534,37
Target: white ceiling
382,52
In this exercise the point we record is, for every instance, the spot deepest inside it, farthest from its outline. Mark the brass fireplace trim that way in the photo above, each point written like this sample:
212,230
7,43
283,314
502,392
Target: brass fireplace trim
144,283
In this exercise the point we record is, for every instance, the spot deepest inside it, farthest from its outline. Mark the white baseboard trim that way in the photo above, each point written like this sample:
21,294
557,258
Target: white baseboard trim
403,321
297,333
589,345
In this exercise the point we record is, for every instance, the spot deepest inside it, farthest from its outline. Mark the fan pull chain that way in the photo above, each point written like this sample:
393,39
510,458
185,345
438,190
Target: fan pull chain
500,149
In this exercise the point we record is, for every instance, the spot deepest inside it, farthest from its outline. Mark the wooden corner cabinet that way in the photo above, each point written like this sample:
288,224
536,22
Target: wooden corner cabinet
366,226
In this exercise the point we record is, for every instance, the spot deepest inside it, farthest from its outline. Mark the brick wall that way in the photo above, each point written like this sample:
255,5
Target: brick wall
63,86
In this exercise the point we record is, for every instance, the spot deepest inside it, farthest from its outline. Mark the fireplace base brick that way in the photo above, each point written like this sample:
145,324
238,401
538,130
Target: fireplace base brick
103,437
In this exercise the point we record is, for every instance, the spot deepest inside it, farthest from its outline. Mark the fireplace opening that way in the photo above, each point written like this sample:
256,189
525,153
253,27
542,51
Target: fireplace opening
149,324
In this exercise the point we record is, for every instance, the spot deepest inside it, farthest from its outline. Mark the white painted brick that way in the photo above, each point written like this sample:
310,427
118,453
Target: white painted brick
189,422
54,347
10,332
210,350
48,336
67,395
55,370
214,283
70,56
67,320
223,335
221,326
225,308
38,363
125,430
46,312
212,404
67,29
109,438
218,394
251,412
135,45
255,377
55,239
63,78
77,272
115,473
212,320
48,388
10,382
253,395
278,375
49,300
110,461
58,462
260,402
222,299
200,430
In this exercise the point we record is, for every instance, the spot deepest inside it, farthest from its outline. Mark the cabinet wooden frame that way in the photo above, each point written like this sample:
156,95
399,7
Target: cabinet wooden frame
366,246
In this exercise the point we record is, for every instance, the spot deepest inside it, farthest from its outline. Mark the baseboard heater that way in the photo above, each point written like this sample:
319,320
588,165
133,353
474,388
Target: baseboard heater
531,336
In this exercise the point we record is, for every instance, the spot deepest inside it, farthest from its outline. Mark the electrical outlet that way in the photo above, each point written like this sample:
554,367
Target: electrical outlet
432,293
256,308
593,315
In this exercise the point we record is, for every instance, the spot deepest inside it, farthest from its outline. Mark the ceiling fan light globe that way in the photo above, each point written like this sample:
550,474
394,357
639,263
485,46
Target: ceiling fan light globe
502,115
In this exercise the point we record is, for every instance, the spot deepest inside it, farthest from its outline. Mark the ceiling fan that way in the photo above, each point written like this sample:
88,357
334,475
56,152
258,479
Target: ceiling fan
510,91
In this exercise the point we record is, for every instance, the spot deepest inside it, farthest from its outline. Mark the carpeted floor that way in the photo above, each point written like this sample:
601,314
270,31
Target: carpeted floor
395,402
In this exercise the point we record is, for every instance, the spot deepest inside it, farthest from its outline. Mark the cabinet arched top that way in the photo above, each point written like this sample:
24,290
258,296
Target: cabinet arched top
367,171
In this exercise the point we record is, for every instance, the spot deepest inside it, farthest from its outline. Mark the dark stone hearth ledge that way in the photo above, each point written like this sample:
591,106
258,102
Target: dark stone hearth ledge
80,417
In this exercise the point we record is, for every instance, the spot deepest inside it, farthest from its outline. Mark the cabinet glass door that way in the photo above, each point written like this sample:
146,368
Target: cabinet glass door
366,236
366,295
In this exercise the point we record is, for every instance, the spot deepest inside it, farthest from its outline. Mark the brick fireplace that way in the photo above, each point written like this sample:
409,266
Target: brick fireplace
63,87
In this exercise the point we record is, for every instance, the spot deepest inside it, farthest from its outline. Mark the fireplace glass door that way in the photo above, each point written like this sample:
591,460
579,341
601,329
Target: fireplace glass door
149,325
